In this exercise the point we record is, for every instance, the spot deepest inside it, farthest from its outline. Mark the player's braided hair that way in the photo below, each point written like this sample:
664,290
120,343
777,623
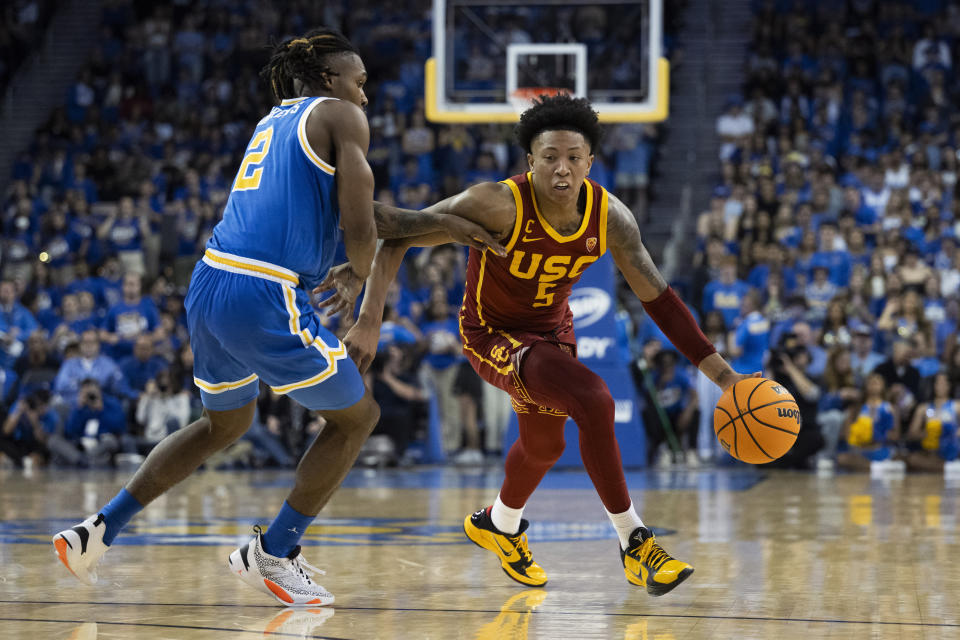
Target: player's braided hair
305,58
562,111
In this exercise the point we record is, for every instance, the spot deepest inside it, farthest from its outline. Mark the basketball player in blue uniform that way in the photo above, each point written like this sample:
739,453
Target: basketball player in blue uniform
303,186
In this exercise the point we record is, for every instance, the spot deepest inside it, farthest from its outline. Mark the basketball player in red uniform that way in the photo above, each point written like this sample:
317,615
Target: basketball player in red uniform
517,329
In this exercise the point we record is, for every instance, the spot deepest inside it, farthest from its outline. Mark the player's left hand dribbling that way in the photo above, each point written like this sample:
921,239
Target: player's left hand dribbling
473,235
346,286
732,380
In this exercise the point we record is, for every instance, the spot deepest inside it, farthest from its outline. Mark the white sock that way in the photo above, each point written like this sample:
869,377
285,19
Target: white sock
625,523
506,519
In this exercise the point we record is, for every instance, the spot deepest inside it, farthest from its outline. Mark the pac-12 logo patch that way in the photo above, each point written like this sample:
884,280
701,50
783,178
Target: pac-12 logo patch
591,243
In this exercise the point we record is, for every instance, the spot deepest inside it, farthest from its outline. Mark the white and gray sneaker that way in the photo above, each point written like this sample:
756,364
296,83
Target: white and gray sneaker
286,579
81,547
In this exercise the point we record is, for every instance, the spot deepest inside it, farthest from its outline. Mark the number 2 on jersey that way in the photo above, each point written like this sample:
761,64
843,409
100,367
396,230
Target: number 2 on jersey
259,147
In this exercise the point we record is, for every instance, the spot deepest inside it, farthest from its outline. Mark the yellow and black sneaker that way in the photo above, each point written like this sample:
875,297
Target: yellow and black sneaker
515,557
645,563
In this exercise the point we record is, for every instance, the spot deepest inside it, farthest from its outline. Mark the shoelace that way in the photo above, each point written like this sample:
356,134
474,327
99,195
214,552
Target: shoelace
305,569
520,543
655,556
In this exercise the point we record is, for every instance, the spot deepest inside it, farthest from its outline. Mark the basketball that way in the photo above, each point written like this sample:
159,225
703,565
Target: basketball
756,420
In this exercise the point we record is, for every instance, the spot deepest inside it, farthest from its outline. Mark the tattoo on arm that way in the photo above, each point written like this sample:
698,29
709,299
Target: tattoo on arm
624,236
644,263
721,378
393,222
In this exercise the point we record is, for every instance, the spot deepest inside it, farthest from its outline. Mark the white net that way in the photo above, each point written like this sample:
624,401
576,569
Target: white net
522,98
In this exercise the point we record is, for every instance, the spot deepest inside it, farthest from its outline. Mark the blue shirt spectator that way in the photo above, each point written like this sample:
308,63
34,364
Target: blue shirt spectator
485,170
818,355
90,364
759,275
59,242
443,343
819,293
142,366
875,196
129,318
394,333
71,319
725,294
83,281
837,262
80,181
188,230
672,383
126,232
751,339
15,320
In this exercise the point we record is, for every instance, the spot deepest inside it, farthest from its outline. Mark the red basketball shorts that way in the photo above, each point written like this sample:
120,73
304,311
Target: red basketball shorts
496,356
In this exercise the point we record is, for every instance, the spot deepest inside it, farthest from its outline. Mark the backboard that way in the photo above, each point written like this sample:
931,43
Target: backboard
486,53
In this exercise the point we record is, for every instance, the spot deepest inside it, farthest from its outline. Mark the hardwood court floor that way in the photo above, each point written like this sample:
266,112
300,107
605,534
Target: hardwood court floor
777,556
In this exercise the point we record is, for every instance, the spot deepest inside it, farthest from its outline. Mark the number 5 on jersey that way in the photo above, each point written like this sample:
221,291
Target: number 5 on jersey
248,177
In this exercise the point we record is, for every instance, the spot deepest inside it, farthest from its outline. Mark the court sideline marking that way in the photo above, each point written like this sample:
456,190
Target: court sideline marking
170,626
539,612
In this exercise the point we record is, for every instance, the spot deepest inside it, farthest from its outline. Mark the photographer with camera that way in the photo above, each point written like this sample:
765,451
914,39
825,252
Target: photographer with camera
90,363
93,430
163,408
24,435
788,365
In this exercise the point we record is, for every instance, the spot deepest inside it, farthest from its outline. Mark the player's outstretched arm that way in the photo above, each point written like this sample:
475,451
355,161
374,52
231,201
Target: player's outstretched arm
659,299
450,219
490,206
394,223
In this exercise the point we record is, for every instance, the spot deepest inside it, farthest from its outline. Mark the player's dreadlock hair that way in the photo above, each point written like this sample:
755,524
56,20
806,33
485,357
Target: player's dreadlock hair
563,112
305,59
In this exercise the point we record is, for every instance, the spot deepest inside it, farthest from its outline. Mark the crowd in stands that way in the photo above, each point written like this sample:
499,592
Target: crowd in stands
828,255
111,205
22,24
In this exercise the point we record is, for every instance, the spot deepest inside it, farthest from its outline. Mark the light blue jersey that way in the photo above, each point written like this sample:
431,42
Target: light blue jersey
752,336
248,306
283,207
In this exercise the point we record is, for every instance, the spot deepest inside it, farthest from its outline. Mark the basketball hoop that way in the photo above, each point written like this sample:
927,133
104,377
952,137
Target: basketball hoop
522,98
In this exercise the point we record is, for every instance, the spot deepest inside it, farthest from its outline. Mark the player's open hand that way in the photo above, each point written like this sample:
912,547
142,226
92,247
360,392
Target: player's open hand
346,286
361,341
729,381
471,234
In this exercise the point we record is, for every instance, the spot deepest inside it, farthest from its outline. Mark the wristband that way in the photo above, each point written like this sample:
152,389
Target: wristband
677,323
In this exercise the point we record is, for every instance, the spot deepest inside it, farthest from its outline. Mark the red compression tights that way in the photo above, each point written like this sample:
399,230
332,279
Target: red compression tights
560,381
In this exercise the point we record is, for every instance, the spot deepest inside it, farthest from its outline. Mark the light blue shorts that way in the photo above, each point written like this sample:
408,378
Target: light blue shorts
250,320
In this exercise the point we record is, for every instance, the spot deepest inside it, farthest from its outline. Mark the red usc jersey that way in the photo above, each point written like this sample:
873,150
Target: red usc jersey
528,289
